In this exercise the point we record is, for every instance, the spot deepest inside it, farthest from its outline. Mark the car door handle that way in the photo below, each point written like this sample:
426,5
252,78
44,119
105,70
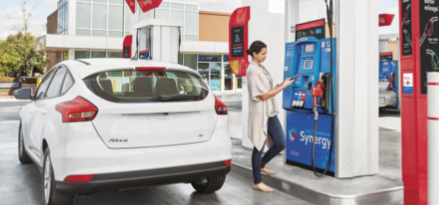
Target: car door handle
43,112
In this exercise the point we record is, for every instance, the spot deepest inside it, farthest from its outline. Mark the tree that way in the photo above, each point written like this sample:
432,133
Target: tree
19,49
18,54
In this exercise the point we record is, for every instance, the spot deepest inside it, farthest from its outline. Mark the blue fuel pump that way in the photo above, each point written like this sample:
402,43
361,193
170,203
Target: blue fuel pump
388,72
309,104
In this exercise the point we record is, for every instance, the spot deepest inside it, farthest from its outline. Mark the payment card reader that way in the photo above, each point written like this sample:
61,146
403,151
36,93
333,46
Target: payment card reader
310,59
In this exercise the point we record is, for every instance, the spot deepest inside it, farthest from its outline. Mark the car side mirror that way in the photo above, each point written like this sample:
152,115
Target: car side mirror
23,94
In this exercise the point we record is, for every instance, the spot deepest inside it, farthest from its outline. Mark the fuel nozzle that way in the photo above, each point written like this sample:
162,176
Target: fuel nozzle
317,91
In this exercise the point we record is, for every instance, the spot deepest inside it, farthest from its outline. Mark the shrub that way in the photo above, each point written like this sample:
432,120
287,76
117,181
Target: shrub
8,79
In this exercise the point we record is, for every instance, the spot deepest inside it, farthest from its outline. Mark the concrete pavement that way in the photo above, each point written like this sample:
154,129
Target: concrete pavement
21,184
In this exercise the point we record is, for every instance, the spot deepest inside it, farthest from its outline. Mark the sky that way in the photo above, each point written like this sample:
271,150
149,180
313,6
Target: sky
10,13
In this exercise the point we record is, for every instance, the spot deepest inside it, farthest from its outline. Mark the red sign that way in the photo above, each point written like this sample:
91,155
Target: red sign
386,54
127,41
310,25
238,41
148,5
132,5
386,19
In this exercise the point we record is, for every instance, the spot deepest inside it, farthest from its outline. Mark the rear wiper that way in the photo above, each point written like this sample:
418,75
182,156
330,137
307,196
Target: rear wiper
176,97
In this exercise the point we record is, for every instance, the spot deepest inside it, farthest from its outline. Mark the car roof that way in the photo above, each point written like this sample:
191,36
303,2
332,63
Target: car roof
87,67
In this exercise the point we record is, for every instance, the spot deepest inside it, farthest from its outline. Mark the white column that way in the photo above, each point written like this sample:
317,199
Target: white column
357,72
71,53
71,17
384,46
267,25
433,137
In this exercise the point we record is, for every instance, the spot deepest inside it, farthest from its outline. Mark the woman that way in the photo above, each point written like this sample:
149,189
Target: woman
263,125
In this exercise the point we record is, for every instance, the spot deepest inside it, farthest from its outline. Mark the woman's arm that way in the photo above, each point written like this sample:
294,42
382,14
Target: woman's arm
276,90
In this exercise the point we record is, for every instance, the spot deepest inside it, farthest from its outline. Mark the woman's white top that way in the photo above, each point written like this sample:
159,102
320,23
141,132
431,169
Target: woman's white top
259,82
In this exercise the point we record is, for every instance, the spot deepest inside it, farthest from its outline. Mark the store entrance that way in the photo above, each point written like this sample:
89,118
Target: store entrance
209,66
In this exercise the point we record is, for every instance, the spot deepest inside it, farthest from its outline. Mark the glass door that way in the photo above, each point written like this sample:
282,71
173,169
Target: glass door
203,69
229,82
209,67
215,76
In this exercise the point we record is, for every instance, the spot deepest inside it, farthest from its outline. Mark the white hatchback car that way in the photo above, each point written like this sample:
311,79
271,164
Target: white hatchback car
113,124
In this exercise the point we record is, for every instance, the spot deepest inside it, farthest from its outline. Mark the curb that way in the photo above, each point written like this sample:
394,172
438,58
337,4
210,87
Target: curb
386,196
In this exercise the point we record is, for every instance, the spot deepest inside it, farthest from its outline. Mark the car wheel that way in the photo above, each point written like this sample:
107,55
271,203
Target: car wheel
51,196
22,155
209,185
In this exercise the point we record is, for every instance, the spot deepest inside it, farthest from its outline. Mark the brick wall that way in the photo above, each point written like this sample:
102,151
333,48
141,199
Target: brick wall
52,22
393,47
53,60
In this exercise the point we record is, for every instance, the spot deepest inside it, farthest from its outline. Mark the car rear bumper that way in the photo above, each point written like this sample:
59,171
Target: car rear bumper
387,98
135,179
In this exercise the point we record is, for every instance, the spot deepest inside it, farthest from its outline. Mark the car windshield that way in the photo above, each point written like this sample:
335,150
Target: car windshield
128,86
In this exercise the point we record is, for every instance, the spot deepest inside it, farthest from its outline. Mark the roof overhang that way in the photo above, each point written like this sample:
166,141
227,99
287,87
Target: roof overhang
57,43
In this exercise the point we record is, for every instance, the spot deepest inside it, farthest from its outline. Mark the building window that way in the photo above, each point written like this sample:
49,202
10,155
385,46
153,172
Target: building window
63,11
62,56
83,16
191,25
190,60
82,54
106,18
180,11
127,13
99,19
209,67
97,54
114,54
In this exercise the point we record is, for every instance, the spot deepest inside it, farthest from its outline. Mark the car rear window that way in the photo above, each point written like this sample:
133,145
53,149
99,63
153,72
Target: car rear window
128,86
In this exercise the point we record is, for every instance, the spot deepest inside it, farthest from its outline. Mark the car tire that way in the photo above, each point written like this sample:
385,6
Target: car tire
22,155
51,196
209,185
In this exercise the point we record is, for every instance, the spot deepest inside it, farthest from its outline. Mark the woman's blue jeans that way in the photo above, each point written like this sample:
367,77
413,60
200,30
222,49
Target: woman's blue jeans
276,132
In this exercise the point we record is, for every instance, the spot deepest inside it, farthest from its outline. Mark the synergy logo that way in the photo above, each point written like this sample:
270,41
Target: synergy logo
307,137
292,135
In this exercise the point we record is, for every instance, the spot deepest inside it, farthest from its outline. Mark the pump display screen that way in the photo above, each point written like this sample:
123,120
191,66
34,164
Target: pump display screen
307,64
309,48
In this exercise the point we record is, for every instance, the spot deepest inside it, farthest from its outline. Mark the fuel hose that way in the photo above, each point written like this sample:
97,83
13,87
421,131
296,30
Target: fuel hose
329,12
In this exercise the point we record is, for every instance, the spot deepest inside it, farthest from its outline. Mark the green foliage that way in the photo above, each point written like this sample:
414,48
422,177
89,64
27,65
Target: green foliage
17,53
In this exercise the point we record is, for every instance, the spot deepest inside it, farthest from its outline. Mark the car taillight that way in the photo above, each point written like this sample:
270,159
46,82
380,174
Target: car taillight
390,87
227,162
220,107
77,110
79,178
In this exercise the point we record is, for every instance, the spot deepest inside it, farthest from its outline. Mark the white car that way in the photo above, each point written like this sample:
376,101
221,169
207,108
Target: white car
387,97
104,124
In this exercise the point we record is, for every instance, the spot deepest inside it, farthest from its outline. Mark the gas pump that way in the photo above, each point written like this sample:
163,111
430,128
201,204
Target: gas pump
389,77
310,122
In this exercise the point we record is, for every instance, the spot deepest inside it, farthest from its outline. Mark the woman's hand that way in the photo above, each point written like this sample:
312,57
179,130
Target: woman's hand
287,83
277,90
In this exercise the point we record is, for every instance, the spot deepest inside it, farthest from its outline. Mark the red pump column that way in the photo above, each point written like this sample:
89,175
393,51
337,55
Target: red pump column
419,45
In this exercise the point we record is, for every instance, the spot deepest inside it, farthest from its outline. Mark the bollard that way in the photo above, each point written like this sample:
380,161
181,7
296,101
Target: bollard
433,137
38,81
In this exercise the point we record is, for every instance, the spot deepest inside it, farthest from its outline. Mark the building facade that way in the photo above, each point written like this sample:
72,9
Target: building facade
81,29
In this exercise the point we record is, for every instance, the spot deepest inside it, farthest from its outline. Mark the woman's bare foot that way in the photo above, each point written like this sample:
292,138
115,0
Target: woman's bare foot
268,171
262,187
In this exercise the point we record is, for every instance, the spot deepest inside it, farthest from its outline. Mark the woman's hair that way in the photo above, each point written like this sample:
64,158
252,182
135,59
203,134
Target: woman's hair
256,47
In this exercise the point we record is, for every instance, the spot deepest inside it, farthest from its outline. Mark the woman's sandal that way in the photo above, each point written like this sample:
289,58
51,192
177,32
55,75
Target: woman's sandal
268,171
262,187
